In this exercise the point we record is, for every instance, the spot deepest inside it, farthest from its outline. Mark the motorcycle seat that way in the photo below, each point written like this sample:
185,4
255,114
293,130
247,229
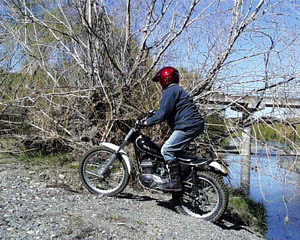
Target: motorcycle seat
188,158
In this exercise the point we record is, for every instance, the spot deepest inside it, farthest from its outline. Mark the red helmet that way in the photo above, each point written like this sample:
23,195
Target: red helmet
166,76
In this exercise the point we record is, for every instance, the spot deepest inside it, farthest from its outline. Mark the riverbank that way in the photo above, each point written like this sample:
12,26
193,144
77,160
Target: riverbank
47,203
277,187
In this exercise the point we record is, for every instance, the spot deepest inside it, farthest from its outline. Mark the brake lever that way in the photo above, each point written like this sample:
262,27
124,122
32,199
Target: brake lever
140,123
150,113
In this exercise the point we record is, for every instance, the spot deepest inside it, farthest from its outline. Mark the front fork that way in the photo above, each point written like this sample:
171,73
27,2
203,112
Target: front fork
108,163
116,155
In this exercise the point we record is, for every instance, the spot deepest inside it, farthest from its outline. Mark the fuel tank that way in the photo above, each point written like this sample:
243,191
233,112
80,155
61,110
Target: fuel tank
145,144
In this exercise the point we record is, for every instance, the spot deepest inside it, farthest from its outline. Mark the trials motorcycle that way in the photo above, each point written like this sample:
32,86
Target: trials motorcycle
106,170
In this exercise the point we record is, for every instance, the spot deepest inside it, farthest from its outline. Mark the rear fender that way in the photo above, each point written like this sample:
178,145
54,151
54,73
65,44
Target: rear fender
122,152
219,167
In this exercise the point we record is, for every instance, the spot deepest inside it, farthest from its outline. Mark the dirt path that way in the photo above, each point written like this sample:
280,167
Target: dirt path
37,203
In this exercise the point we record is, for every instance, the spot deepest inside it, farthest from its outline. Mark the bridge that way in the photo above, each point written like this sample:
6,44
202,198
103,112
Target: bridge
243,97
253,101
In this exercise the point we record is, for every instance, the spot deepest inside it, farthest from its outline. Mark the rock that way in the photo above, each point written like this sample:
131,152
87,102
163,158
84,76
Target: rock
61,176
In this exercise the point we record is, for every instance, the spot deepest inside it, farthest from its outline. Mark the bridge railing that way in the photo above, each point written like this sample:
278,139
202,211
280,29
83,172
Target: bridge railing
280,92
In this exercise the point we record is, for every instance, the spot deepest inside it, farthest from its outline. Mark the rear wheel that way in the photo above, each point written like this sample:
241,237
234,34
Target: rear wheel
208,200
112,182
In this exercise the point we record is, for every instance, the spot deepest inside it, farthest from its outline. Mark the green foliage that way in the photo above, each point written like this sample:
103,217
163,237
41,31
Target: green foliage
248,211
18,85
215,126
276,132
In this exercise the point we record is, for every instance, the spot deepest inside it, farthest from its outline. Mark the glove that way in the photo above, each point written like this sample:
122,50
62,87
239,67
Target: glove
142,123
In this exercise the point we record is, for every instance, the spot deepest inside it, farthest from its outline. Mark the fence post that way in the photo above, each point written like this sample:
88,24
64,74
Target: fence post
246,160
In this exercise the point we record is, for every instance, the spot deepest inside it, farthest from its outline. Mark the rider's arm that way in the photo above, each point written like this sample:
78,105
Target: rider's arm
167,106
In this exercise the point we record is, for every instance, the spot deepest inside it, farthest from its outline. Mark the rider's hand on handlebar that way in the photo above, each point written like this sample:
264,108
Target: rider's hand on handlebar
142,122
150,113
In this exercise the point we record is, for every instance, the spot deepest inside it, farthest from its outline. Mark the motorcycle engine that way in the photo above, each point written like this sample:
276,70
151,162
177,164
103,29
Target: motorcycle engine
153,170
148,165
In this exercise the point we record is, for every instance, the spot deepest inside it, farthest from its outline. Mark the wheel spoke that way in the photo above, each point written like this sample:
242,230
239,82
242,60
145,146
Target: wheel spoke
201,203
93,174
93,165
112,181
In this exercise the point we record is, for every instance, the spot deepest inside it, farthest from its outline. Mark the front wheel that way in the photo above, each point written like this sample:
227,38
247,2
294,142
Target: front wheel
112,182
207,200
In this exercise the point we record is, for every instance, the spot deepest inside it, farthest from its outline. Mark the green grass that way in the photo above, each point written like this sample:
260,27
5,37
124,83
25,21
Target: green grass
12,149
250,212
37,159
7,146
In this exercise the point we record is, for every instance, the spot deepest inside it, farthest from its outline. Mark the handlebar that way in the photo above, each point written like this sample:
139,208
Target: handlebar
140,123
150,113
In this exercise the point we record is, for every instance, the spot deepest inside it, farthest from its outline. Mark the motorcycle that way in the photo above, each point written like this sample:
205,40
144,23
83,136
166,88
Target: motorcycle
106,170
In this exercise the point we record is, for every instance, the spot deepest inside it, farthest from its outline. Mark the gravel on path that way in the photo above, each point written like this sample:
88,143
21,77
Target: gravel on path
45,204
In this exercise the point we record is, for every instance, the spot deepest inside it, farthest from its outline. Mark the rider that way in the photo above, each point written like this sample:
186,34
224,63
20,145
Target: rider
178,109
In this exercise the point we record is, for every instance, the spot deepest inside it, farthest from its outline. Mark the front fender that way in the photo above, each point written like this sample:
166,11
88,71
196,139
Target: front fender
220,167
122,152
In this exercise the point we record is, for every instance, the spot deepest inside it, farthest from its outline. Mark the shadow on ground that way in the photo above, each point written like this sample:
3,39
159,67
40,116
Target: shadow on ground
228,222
141,198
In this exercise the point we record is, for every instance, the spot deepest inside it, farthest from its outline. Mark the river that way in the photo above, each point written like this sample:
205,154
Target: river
275,186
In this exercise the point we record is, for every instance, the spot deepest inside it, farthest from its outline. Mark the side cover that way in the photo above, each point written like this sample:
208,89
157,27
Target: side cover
123,154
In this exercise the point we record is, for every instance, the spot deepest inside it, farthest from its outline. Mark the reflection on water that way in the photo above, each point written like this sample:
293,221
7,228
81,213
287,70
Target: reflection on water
278,188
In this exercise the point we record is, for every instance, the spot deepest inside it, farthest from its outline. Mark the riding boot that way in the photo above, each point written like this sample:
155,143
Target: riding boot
173,182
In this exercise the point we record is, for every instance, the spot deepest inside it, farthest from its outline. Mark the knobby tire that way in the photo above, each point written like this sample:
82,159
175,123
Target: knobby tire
85,173
223,194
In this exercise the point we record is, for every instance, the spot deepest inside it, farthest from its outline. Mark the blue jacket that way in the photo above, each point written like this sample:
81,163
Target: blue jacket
178,109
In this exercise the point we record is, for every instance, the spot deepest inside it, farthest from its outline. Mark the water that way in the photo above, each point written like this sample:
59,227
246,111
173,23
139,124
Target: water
277,188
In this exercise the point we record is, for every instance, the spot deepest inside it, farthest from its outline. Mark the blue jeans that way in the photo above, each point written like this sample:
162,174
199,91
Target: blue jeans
176,142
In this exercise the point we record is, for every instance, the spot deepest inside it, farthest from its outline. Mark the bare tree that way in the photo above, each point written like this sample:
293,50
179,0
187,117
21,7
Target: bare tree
79,65
92,53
